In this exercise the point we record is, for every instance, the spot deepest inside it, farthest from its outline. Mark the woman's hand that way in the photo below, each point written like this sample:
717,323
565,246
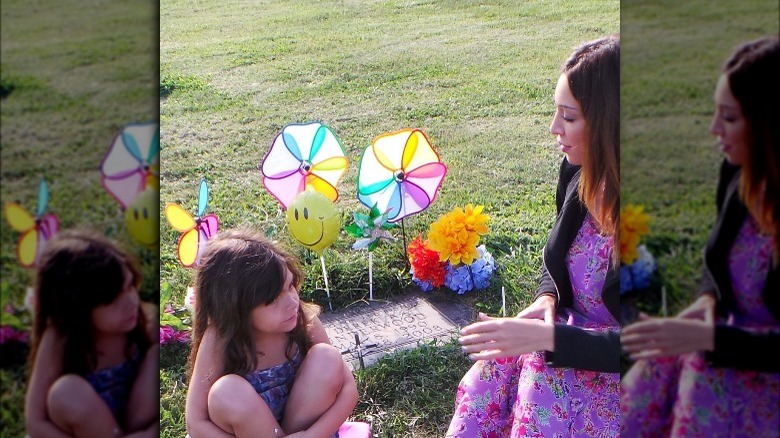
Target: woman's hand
651,338
543,308
493,338
703,308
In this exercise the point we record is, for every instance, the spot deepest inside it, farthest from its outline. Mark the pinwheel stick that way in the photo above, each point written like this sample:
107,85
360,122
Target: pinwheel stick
370,276
403,233
663,301
325,275
503,302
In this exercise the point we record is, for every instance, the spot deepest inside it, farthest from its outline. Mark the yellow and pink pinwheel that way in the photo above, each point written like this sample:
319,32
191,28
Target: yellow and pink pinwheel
304,157
400,173
36,230
132,163
196,231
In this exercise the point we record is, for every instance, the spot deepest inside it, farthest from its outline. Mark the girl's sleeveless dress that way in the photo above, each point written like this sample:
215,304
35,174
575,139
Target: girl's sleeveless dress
522,396
683,396
114,384
273,384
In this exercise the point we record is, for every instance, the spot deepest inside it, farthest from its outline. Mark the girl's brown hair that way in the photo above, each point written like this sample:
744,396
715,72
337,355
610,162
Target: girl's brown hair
80,270
593,72
752,71
241,269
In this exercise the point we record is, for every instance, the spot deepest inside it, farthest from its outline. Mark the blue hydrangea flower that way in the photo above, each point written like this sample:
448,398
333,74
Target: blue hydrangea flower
465,278
639,274
625,279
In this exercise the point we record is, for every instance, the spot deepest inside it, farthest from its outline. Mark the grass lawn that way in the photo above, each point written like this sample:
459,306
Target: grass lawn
672,54
477,78
73,73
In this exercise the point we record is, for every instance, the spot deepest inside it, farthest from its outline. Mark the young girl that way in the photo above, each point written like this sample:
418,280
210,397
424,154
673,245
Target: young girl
553,369
261,364
94,367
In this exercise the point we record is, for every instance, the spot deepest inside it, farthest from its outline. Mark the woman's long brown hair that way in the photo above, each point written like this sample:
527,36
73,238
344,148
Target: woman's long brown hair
80,270
752,72
593,71
241,269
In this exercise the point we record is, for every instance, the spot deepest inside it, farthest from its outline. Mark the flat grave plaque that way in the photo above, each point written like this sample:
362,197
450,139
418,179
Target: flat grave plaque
383,328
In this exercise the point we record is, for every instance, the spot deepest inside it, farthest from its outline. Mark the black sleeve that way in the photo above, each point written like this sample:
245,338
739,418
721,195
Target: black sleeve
583,349
565,174
727,172
745,350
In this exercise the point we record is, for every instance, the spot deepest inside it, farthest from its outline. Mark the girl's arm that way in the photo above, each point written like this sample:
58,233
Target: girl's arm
143,404
208,368
317,332
47,367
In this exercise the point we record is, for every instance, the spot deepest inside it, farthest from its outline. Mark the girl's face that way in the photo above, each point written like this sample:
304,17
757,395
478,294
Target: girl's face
281,315
121,315
568,124
729,124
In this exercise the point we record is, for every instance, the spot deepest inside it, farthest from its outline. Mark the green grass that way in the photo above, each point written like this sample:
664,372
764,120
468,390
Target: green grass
478,79
72,74
671,58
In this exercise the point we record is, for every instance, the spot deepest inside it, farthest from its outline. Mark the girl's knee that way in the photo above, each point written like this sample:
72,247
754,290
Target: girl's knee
326,359
72,398
323,362
231,397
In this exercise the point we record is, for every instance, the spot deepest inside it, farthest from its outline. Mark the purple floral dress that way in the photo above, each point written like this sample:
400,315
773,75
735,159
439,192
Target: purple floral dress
522,396
683,396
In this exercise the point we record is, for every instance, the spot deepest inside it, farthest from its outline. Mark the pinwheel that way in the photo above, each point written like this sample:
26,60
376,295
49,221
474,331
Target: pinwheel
36,230
370,229
304,156
196,231
132,162
400,173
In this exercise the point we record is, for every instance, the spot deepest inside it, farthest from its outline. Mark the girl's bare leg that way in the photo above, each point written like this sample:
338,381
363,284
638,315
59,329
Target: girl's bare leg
235,407
317,384
75,408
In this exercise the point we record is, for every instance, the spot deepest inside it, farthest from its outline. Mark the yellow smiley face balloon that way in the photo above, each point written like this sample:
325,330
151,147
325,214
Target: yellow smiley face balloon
143,218
313,220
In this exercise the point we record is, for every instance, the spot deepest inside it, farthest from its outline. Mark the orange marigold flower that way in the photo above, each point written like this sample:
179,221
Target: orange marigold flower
455,235
633,225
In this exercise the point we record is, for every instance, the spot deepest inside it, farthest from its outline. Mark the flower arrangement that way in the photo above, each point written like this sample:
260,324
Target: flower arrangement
451,255
637,265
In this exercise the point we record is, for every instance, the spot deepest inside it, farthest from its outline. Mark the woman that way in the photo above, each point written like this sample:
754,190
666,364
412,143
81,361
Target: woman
554,369
712,370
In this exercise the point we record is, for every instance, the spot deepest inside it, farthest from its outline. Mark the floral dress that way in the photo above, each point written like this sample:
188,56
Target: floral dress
683,396
523,396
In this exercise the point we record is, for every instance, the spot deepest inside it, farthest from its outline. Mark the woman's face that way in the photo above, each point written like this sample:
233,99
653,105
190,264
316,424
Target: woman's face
281,315
568,124
729,124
